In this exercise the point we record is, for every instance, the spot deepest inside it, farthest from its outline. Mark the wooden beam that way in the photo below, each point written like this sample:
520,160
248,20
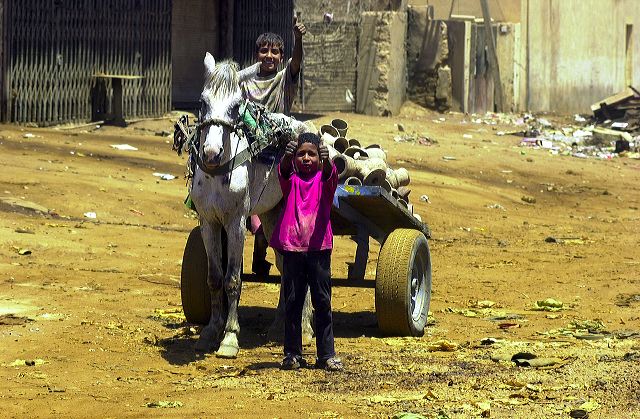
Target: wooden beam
493,58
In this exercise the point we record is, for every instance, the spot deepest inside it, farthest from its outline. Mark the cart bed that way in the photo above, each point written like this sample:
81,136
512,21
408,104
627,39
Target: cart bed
373,207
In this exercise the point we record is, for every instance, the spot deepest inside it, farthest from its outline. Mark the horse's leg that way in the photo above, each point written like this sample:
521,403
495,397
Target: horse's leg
277,327
210,334
229,346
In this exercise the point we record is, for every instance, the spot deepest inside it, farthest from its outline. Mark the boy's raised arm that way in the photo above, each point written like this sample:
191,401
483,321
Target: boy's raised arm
327,164
296,59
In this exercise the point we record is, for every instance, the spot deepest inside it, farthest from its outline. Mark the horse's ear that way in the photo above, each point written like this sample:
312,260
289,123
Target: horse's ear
249,72
209,64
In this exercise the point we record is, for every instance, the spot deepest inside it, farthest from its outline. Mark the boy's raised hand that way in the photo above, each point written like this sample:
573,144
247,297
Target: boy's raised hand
291,148
299,30
323,152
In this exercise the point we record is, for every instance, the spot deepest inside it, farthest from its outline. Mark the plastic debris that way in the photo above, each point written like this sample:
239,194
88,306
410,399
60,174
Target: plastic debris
164,404
125,147
407,415
90,215
590,405
164,176
548,304
442,346
175,314
496,206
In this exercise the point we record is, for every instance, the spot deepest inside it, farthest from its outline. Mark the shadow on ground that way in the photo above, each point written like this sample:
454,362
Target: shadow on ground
255,321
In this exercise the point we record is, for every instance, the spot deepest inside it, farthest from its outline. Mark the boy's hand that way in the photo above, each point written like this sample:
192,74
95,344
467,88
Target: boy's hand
299,30
324,152
291,148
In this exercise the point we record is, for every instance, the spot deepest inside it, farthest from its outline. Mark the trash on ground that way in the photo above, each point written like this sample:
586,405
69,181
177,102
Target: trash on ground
26,362
164,176
548,304
567,240
442,346
125,147
164,404
175,314
90,214
407,415
24,231
590,405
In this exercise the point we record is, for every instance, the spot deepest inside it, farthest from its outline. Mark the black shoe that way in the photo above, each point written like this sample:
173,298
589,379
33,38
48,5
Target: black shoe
332,364
261,267
293,362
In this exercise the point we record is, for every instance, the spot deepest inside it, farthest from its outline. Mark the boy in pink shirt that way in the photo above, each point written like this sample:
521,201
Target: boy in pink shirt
303,235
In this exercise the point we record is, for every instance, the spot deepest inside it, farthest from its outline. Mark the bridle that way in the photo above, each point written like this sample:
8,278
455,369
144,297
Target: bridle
253,122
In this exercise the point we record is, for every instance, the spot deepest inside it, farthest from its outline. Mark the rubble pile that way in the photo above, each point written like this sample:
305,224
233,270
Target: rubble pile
359,164
621,112
612,131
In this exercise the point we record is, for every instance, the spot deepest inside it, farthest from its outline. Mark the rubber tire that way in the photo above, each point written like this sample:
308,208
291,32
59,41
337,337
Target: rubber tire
194,291
404,252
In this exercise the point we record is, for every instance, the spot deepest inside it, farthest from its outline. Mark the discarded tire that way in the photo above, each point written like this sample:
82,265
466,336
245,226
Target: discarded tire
194,291
403,283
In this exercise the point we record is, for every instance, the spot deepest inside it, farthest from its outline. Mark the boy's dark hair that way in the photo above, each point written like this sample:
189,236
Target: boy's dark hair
309,137
270,38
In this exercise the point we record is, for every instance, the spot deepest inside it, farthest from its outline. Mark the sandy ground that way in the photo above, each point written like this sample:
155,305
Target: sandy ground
90,315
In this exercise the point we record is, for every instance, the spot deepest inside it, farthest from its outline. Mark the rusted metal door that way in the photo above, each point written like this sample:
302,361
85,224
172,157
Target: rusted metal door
55,47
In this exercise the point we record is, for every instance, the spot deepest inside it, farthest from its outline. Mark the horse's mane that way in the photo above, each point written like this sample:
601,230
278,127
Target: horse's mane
223,81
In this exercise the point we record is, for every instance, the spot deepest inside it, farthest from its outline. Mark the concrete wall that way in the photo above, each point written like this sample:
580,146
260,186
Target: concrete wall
428,70
459,34
500,10
508,51
329,67
381,71
194,31
575,51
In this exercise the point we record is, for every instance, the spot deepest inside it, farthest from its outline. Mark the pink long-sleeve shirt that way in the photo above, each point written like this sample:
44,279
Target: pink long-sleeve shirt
304,223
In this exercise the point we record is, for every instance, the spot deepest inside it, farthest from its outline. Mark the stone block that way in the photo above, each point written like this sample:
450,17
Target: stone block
443,86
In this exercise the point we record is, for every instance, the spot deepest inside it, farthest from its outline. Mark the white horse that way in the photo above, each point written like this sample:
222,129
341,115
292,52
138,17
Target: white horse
225,200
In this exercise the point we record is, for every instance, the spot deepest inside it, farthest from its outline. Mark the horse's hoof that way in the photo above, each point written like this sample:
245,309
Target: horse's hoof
229,347
226,351
307,339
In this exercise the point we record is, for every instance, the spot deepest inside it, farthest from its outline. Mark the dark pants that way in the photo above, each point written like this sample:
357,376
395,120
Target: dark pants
313,269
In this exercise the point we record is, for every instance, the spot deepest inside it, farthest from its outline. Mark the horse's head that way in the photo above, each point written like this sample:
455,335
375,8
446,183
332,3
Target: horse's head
220,100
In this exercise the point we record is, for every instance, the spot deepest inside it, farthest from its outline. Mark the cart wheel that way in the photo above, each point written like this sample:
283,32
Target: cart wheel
403,283
194,291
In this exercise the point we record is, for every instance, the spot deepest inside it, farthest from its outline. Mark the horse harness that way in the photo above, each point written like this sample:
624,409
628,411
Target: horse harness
254,122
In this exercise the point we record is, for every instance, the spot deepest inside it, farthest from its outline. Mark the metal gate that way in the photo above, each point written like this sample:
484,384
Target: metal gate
56,47
253,17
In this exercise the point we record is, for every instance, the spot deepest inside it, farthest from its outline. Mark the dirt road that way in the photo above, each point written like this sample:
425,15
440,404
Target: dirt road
90,316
